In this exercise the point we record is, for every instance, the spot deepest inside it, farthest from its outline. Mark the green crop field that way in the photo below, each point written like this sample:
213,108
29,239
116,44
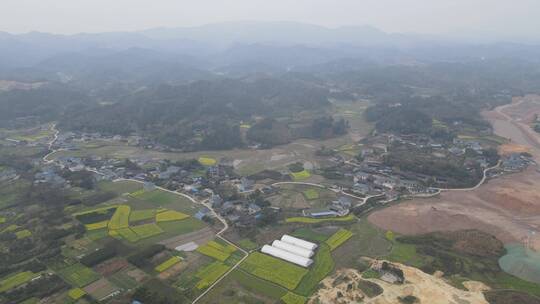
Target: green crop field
128,235
299,176
258,285
23,234
309,220
209,274
338,238
147,230
140,215
96,226
120,218
207,161
274,270
323,264
78,275
76,293
16,280
311,194
216,250
292,298
170,215
168,264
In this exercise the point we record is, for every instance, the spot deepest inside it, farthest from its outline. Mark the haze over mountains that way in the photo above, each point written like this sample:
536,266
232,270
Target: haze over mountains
281,45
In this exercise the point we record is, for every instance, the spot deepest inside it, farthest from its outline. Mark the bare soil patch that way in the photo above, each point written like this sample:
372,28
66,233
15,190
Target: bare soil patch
100,289
171,272
342,287
137,274
109,267
507,207
200,237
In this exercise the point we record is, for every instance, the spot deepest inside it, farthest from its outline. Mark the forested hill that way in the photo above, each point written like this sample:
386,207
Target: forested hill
199,115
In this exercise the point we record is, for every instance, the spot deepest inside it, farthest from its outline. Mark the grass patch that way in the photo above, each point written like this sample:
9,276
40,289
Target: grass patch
2,220
406,254
292,298
323,264
274,270
309,220
207,161
120,187
168,264
147,230
257,285
23,234
11,228
389,235
216,250
76,293
95,235
78,275
302,175
248,244
311,194
96,226
170,215
310,235
120,218
371,274
338,238
16,280
162,198
209,274
140,215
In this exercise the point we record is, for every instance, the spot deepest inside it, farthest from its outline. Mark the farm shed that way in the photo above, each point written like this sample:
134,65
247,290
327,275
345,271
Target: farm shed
287,256
298,242
293,249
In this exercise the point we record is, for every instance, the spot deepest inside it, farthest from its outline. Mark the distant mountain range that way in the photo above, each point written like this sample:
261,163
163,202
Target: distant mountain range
235,48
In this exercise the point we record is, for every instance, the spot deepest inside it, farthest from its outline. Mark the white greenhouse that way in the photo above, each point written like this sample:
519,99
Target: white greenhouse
293,249
298,242
287,256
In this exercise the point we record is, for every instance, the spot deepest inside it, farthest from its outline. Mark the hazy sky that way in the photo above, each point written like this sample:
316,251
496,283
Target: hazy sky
515,17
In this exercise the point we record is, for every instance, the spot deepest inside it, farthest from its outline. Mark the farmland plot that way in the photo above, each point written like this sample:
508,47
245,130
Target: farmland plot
209,274
78,275
338,238
120,218
274,270
216,250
